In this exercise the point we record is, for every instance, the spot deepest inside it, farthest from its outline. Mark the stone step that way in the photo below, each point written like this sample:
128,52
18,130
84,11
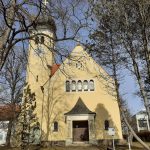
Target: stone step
86,143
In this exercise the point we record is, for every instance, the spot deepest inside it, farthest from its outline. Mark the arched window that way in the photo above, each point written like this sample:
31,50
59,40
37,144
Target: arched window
37,40
73,85
91,85
55,126
67,86
79,85
85,85
42,39
106,123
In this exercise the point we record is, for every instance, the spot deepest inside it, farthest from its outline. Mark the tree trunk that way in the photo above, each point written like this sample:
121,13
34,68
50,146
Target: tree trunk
10,124
144,36
132,131
140,83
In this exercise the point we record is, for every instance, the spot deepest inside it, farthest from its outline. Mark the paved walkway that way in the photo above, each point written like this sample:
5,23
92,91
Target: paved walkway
59,148
73,148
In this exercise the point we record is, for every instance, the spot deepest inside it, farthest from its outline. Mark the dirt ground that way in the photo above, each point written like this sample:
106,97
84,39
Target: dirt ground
136,146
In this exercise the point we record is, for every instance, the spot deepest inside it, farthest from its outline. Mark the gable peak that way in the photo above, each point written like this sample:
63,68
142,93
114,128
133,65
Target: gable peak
78,50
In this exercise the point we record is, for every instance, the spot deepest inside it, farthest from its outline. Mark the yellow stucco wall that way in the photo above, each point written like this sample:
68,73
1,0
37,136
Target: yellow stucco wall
54,101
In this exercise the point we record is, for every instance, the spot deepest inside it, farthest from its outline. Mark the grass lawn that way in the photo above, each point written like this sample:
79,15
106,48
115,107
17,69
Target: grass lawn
136,146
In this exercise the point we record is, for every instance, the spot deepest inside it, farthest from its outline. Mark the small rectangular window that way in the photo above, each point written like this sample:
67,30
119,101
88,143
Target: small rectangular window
42,39
55,126
1,136
142,123
37,40
106,124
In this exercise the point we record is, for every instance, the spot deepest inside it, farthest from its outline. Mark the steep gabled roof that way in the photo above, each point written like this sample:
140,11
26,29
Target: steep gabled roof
79,108
77,54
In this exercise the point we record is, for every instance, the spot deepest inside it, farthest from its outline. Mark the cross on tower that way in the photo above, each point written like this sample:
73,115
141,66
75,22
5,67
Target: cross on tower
45,2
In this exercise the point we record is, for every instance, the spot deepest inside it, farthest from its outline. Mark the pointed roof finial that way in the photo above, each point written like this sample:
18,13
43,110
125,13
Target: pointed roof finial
45,20
78,41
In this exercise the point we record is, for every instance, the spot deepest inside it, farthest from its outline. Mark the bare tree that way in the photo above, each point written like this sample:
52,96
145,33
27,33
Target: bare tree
12,81
18,17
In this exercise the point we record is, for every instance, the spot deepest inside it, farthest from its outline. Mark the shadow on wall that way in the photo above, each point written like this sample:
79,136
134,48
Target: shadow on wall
54,108
101,115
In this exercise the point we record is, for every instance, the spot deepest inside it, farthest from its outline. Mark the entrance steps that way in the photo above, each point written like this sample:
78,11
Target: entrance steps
84,146
81,144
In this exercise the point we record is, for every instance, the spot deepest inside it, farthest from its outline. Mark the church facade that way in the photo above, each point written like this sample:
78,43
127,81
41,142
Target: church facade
75,100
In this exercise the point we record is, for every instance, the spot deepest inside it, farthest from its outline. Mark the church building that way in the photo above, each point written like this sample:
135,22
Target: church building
75,100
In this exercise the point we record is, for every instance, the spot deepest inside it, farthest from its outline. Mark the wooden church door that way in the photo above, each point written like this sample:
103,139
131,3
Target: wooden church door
80,131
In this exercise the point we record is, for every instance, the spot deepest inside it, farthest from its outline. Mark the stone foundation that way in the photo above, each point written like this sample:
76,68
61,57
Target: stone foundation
65,143
52,143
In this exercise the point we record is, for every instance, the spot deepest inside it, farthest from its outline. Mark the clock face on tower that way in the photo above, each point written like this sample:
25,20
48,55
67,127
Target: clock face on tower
39,51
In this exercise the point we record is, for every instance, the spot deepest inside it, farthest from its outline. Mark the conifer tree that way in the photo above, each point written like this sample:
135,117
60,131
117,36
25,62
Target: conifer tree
26,122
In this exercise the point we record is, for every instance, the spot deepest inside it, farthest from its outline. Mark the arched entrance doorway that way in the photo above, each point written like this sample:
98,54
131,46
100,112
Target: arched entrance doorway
80,124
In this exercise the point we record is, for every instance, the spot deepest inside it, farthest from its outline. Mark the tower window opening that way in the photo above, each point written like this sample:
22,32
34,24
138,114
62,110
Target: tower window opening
37,40
42,39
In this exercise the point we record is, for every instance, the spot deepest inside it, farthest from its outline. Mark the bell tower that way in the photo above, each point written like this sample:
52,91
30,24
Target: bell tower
41,51
41,61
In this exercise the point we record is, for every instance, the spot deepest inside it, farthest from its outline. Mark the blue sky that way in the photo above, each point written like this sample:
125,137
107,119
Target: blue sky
128,89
